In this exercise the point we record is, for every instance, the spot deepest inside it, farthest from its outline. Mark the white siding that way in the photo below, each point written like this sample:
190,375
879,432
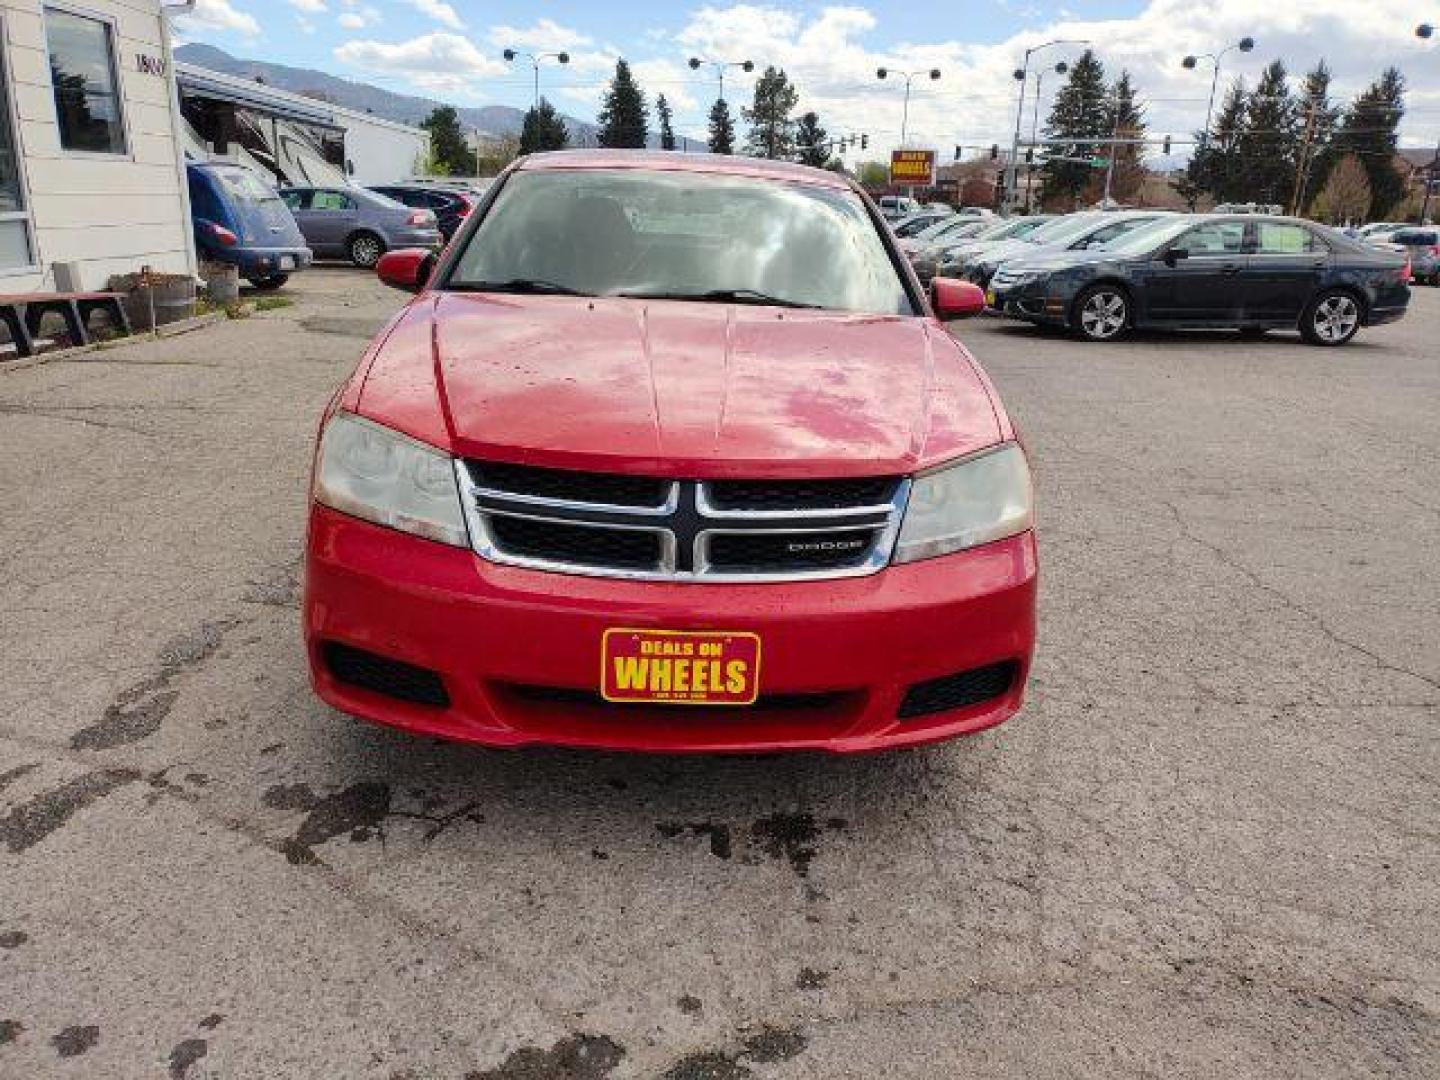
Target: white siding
381,152
111,213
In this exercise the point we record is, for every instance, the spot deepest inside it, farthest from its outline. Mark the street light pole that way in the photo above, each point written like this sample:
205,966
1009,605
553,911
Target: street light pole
1022,75
1060,69
535,58
908,76
720,66
1191,62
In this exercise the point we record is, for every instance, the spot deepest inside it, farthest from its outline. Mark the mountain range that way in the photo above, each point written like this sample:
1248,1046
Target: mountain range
493,120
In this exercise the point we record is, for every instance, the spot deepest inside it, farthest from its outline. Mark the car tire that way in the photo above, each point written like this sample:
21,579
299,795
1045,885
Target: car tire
269,282
1331,318
365,249
1101,313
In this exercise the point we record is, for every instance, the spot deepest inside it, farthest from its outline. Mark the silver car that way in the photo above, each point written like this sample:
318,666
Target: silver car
359,225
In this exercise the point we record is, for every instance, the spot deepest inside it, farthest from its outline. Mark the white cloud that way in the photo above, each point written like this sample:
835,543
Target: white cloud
220,15
828,57
545,36
440,11
439,62
310,7
358,20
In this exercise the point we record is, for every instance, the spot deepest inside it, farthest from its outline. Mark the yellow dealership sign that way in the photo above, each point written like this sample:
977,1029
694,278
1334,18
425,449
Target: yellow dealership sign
912,167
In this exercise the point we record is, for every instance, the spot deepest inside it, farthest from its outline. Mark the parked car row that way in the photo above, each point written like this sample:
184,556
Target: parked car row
1420,244
1101,275
270,233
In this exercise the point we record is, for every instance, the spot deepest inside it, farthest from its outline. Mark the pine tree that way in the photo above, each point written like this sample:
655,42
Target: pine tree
1215,165
624,117
667,132
543,130
812,144
1127,121
722,128
1269,140
772,132
448,151
1369,131
1320,117
1080,115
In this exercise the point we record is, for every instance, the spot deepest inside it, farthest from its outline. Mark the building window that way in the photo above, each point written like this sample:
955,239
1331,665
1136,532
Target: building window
86,85
15,249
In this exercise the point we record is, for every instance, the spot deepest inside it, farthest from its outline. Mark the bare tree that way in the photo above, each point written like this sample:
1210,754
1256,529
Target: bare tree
1346,195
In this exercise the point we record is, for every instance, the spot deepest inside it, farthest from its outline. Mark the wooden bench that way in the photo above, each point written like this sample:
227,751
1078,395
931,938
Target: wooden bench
21,313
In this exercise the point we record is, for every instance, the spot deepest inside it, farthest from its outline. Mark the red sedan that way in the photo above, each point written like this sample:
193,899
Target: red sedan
671,453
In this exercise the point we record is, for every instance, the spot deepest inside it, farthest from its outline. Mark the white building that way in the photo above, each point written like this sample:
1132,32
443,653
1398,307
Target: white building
297,139
91,176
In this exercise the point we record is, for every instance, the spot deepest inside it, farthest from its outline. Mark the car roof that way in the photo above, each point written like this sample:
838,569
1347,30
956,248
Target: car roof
670,161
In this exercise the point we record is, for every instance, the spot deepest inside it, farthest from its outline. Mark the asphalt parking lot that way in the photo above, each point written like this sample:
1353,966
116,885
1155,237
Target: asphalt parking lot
1206,848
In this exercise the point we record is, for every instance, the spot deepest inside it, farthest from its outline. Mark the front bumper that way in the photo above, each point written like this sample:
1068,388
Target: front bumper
1034,301
518,650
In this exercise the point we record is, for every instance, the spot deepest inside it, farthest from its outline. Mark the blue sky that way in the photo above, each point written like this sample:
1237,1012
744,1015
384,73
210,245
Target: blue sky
450,49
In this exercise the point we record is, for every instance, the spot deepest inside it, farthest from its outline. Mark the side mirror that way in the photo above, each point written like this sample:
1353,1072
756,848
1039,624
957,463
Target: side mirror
407,269
1174,255
955,299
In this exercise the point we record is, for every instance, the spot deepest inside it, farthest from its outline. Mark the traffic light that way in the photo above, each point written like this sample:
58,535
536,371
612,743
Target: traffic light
994,151
1030,156
1167,145
864,141
957,153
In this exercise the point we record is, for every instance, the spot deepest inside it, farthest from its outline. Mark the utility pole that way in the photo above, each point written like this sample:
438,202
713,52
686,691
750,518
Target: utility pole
1429,183
1302,167
1110,159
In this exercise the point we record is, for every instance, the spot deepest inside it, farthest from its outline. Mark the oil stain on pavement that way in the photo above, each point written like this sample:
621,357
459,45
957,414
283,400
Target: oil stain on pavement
579,1057
32,821
137,712
358,810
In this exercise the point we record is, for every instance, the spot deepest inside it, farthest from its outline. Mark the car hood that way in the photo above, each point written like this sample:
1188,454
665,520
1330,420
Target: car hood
1059,259
679,389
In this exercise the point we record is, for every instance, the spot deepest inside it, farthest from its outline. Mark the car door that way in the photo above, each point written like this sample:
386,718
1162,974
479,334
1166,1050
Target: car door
1196,277
330,218
1284,267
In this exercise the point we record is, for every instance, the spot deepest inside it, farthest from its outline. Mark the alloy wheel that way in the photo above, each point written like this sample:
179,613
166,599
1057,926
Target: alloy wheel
1336,318
365,251
1103,315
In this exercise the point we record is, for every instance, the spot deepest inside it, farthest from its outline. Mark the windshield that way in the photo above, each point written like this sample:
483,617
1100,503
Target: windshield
1150,236
244,186
678,235
1061,229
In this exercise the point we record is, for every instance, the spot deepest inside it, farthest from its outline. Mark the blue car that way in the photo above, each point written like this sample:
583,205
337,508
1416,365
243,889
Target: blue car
240,219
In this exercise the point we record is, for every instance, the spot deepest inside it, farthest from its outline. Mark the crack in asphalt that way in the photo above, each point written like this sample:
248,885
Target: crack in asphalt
1290,603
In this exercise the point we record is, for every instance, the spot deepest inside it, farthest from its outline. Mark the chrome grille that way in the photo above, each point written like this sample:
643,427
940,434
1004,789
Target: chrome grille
616,525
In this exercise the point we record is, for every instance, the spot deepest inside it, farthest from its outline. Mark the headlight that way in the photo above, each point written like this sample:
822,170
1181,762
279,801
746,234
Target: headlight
972,501
371,472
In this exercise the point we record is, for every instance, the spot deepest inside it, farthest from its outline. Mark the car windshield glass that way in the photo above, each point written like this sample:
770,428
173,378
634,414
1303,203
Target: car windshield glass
244,186
677,234
1150,235
938,228
1061,229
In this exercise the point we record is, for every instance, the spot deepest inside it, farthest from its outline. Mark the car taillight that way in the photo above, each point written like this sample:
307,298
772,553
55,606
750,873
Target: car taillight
1435,249
224,235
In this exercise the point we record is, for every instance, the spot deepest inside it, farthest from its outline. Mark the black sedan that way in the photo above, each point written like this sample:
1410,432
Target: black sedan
1250,272
450,206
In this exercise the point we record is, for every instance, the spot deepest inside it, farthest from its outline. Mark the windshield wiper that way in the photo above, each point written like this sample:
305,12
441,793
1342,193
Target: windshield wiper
720,296
517,285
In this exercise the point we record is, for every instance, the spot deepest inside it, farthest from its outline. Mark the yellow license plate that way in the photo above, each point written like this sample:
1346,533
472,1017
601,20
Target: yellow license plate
680,667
